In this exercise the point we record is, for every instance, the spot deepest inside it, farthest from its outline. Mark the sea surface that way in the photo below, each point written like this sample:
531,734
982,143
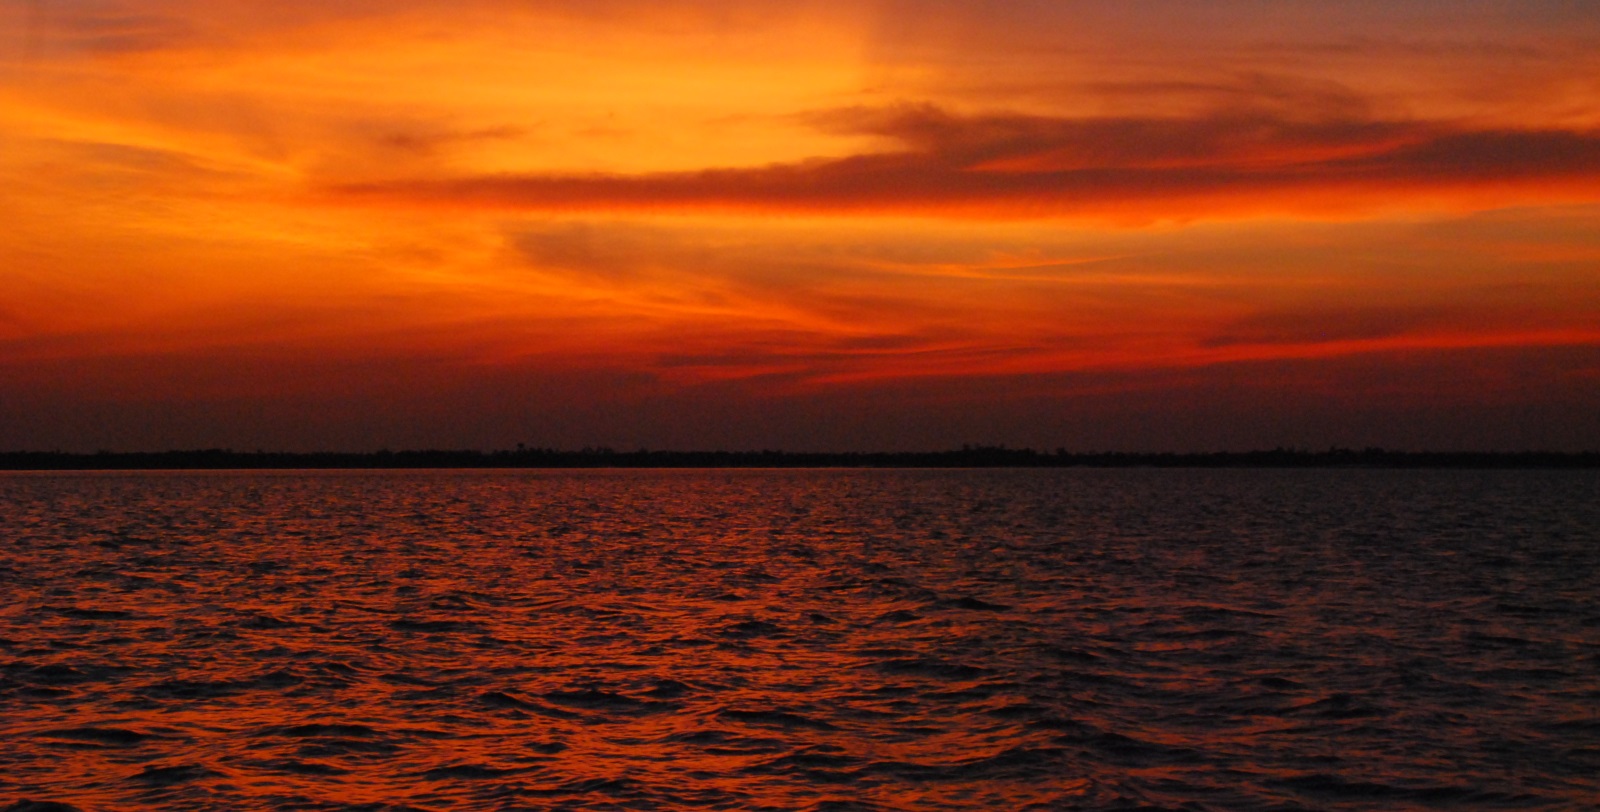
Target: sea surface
801,640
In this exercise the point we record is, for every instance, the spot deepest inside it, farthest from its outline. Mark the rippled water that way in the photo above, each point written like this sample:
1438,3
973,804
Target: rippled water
995,640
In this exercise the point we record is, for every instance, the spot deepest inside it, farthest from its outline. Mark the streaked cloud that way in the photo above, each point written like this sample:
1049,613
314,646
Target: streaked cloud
623,220
1116,169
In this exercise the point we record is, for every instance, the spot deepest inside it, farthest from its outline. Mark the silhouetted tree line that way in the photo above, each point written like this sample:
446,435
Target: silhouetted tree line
965,457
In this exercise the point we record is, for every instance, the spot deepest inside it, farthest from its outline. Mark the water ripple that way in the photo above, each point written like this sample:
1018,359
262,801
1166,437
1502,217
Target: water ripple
800,640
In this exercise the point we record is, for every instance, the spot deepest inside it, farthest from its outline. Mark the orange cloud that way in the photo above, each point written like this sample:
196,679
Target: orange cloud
1033,166
724,207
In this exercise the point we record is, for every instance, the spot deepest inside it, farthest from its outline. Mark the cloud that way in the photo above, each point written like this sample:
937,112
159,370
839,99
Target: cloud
97,28
1015,165
430,142
1321,325
1041,144
732,286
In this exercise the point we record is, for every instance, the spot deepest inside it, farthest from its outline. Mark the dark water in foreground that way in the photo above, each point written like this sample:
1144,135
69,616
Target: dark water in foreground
816,640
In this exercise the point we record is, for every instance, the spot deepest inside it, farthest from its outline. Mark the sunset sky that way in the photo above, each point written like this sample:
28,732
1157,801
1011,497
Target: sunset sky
354,224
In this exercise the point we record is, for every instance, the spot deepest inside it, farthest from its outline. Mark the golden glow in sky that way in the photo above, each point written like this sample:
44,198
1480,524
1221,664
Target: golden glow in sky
805,225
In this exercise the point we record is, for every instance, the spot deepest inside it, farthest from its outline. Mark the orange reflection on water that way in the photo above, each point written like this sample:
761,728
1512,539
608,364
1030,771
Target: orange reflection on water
792,640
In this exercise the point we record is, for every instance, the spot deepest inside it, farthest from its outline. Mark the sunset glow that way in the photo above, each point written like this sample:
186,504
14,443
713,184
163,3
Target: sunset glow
819,225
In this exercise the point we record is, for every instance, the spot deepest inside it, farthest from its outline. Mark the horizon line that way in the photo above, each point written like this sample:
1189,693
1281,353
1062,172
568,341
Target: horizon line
968,456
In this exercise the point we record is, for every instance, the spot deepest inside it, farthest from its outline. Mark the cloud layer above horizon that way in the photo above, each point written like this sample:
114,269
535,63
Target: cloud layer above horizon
805,225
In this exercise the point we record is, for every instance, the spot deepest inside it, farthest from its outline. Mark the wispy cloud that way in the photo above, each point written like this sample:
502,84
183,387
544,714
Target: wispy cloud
885,206
1012,165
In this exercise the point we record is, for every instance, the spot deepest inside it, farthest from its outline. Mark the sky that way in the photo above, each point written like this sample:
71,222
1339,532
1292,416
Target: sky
813,225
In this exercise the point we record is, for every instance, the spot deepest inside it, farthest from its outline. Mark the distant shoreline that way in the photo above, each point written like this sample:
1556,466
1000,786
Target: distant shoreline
969,457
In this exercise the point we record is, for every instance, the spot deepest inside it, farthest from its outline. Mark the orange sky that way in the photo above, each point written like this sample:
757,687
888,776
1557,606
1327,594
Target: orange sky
808,225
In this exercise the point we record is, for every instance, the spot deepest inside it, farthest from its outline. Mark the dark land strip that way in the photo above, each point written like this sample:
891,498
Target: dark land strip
966,457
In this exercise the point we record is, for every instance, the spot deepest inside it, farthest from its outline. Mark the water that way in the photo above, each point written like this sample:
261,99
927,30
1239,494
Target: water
807,640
